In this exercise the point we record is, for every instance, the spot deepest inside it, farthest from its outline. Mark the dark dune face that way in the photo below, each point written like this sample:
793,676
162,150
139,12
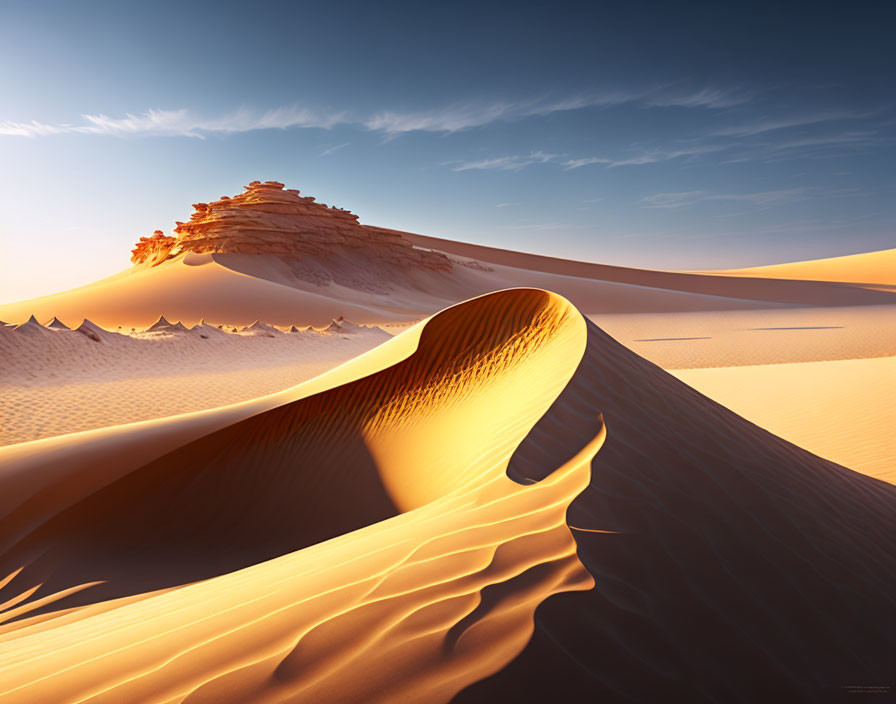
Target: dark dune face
741,568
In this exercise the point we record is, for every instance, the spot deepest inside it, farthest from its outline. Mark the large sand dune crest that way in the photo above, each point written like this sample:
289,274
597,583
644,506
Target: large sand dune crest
386,531
368,528
739,567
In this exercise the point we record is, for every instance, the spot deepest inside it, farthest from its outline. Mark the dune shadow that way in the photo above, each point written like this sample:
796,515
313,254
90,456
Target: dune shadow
734,554
272,484
805,327
669,339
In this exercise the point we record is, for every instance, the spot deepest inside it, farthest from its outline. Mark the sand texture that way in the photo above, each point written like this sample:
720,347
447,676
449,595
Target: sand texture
415,557
871,269
510,477
60,381
843,411
446,490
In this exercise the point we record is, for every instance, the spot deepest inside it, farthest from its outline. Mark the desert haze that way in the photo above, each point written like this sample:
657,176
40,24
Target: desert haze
287,456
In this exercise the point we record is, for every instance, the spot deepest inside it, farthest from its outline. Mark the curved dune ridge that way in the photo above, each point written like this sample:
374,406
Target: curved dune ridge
731,565
361,542
386,532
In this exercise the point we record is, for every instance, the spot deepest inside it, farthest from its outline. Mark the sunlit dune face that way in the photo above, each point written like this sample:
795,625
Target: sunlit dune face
361,544
460,394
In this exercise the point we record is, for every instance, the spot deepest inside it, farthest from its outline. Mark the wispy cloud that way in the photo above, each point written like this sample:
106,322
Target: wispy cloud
771,125
545,227
759,198
181,123
854,138
504,163
330,150
704,98
672,200
446,119
765,197
649,157
517,162
461,116
587,161
450,119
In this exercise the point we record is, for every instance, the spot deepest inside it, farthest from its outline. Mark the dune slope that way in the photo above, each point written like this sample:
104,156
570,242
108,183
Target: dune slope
386,533
840,410
756,287
239,287
740,568
868,269
362,543
189,289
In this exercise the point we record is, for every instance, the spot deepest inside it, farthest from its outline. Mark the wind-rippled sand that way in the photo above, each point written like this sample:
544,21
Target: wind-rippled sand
500,503
61,381
386,531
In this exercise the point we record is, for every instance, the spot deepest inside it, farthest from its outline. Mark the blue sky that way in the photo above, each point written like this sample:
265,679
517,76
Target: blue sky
670,135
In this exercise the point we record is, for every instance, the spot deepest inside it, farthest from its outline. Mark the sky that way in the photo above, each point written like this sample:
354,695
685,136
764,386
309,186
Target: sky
663,135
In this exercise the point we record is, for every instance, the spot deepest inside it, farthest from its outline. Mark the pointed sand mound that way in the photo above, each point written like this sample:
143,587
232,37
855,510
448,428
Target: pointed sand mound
164,325
93,331
260,328
57,324
30,326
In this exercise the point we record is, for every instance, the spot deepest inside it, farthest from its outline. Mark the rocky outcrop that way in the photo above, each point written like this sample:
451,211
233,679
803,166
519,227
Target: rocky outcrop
267,219
153,250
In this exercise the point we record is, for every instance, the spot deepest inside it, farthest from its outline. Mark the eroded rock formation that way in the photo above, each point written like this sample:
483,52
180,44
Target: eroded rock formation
267,219
153,250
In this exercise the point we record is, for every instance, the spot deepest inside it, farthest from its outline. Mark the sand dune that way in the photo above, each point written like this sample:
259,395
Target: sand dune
840,410
189,291
754,288
423,562
422,520
871,269
385,532
694,340
242,288
738,567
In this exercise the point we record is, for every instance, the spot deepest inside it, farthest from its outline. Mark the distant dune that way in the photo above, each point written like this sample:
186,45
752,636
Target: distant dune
270,254
357,538
871,269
